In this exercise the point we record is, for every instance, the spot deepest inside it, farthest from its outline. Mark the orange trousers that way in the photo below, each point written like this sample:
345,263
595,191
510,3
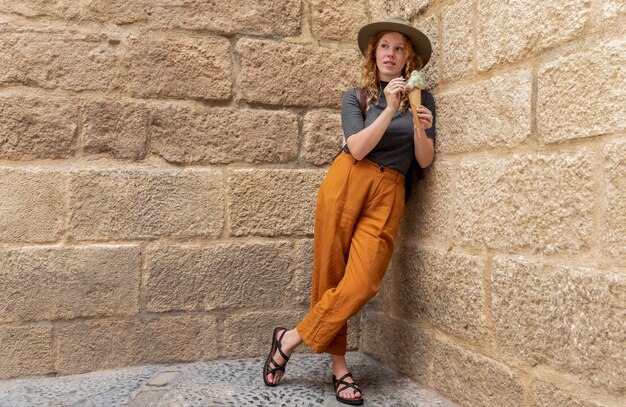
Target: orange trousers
358,211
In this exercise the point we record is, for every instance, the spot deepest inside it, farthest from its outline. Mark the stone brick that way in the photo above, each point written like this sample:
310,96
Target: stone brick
223,136
430,72
494,113
179,67
303,261
138,203
445,288
337,20
429,211
48,58
507,33
582,95
548,395
40,283
94,345
383,9
218,276
25,351
471,379
457,41
399,344
272,202
68,9
33,205
541,203
323,137
36,127
567,318
115,128
614,229
279,73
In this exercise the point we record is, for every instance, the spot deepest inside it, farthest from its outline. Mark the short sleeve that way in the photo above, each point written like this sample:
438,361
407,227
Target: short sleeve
352,120
429,103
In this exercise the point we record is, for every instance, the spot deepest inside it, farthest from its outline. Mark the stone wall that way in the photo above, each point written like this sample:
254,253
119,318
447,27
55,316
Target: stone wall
508,287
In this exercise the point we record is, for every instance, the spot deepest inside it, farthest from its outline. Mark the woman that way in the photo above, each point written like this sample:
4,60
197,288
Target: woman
362,197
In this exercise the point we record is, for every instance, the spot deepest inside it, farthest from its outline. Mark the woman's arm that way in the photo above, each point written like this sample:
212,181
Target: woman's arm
425,143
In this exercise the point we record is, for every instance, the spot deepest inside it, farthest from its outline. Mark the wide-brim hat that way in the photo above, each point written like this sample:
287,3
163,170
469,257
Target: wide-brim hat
421,43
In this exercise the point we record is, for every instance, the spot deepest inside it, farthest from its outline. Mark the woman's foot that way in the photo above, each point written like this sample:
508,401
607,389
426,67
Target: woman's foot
340,369
285,342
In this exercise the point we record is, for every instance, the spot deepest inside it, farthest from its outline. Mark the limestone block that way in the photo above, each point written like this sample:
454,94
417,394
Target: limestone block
430,72
303,270
48,283
457,40
34,127
279,73
511,30
494,113
383,9
217,276
337,20
106,344
182,67
68,9
223,136
571,319
542,203
614,230
115,128
32,207
323,137
431,206
548,395
471,379
272,202
136,203
582,95
46,57
613,9
445,288
398,343
25,351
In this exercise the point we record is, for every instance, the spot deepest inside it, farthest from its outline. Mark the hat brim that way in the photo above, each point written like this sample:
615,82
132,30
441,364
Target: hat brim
421,43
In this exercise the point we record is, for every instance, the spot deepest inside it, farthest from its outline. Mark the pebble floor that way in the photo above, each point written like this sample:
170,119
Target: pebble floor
219,383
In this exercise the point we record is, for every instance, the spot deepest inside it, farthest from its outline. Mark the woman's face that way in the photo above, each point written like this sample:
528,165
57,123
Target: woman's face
390,56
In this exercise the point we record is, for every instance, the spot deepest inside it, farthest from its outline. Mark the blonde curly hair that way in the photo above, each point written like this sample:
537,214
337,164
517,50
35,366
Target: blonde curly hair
369,72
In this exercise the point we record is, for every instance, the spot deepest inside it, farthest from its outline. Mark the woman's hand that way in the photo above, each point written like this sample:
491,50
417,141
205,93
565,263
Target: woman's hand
393,93
425,117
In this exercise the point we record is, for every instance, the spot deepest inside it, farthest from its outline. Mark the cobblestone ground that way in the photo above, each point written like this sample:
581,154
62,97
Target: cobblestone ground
218,383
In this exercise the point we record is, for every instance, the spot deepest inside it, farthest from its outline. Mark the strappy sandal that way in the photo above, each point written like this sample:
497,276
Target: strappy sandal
346,385
267,367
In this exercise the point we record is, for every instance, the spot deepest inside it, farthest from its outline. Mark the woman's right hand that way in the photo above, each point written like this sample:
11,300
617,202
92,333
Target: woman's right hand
393,93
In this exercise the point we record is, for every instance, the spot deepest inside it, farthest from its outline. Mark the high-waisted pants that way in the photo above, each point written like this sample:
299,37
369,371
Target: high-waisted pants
358,211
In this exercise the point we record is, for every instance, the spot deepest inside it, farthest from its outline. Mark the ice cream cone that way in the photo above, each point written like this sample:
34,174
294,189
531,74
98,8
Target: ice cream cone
415,100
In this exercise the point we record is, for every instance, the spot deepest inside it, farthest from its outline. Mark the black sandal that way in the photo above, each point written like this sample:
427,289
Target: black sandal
346,385
267,368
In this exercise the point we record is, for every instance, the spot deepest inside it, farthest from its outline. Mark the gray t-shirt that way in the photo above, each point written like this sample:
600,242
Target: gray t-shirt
395,149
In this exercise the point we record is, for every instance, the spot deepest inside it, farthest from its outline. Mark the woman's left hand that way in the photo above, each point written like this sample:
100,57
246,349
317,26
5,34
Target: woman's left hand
425,117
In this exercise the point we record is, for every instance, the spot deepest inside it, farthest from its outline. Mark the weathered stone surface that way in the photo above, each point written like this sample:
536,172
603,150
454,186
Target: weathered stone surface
582,95
541,203
222,275
398,343
68,9
223,136
303,261
613,9
280,73
509,32
457,40
323,137
429,211
108,344
116,128
25,351
487,114
250,334
32,207
36,127
40,283
430,72
182,67
383,9
337,20
614,230
471,379
48,58
273,202
446,288
569,318
548,395
134,203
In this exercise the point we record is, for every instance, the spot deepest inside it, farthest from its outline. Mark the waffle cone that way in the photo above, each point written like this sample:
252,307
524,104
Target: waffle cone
415,99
